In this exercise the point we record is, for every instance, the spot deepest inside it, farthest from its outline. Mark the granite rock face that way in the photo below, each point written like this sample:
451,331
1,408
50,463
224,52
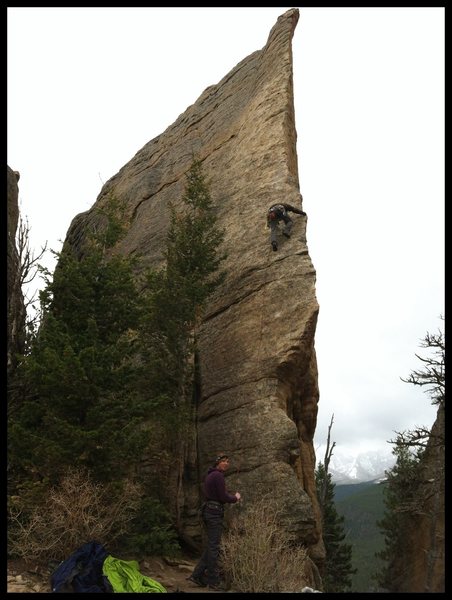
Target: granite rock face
15,299
259,385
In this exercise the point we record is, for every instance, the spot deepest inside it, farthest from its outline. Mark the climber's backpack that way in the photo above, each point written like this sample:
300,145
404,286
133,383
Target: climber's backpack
82,571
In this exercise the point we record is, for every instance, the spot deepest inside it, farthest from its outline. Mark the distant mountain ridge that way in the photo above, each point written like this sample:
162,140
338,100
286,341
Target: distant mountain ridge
362,506
343,491
365,466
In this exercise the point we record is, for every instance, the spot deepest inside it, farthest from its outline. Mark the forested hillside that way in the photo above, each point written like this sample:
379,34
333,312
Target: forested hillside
362,506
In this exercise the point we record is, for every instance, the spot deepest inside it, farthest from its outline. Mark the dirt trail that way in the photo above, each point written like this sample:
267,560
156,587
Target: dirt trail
172,574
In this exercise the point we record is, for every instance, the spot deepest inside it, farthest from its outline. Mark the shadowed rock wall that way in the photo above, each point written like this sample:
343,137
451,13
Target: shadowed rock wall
15,299
259,390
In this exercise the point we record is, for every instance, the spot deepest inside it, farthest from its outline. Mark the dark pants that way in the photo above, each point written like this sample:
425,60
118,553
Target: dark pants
213,521
274,227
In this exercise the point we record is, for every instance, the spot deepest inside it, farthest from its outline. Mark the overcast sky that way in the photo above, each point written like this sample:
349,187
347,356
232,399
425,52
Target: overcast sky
89,87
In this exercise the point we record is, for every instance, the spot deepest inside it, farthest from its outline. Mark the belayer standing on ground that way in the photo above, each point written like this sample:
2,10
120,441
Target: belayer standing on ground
277,213
216,496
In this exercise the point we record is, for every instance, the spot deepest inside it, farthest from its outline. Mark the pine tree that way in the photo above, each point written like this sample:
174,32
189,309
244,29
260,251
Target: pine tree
80,406
176,298
338,569
400,498
110,375
193,243
410,494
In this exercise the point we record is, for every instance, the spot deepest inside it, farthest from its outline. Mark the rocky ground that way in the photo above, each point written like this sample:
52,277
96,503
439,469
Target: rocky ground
172,574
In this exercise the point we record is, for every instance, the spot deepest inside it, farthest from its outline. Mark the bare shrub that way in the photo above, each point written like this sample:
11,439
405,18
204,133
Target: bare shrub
259,555
77,511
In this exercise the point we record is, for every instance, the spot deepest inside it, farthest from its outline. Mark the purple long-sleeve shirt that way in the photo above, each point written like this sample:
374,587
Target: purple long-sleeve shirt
215,487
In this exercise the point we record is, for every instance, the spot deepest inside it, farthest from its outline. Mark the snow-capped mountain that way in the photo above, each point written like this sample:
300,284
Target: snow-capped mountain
365,466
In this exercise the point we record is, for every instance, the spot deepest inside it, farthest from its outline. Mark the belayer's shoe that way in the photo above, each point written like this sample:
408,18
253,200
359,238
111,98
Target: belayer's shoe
286,234
274,246
197,580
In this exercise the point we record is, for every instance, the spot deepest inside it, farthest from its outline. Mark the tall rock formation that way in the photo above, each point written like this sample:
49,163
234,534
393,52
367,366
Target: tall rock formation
259,388
15,300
